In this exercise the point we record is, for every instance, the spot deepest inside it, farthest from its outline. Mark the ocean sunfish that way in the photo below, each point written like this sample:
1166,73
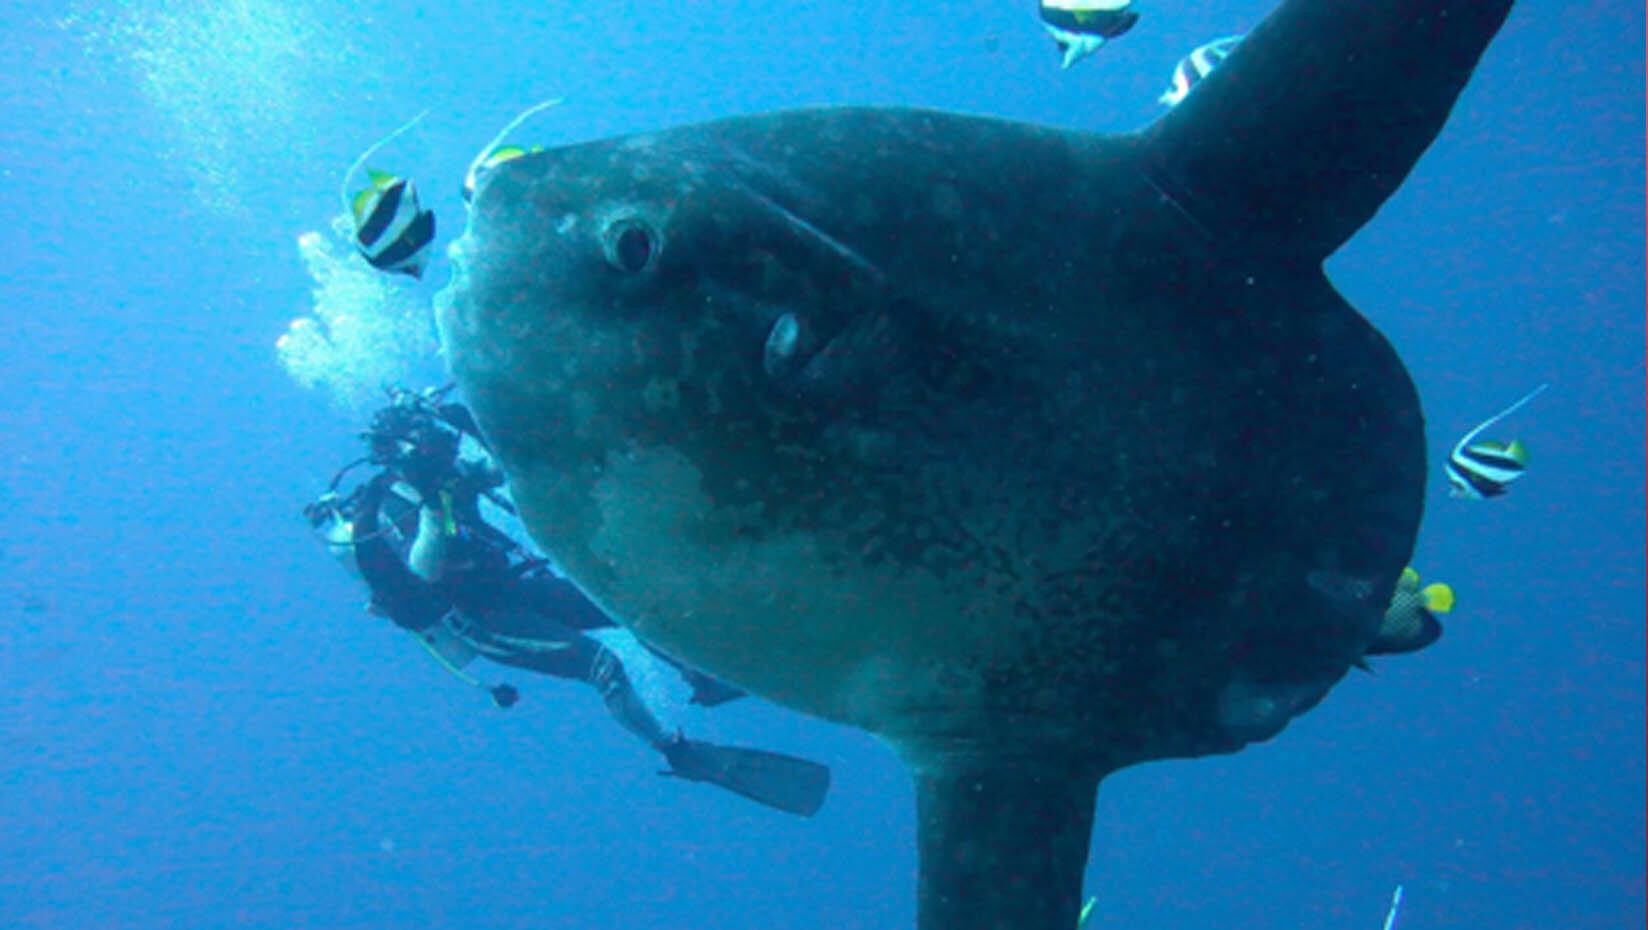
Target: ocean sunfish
1036,453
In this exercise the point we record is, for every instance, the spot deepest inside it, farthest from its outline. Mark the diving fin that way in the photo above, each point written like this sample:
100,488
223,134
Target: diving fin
795,786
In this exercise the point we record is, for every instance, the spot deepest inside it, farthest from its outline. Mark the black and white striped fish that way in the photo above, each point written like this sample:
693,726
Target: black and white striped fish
1080,27
1195,66
392,232
1480,470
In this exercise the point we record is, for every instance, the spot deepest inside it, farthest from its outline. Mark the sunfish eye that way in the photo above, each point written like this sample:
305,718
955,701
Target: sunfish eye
630,246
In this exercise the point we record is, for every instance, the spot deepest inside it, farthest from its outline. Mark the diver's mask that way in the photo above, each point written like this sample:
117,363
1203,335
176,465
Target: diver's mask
407,437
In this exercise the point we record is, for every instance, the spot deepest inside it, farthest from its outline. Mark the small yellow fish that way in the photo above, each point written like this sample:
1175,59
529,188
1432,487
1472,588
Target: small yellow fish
1480,470
392,232
1410,622
496,153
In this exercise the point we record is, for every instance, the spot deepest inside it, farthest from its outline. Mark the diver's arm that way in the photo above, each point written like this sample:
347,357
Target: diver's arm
427,558
480,474
623,701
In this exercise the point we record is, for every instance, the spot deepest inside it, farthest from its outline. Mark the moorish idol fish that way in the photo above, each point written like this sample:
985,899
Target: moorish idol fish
495,154
1080,27
492,160
1410,622
1480,470
392,232
1197,65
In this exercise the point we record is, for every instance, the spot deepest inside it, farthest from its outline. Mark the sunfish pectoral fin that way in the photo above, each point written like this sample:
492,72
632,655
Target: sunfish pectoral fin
1317,117
853,364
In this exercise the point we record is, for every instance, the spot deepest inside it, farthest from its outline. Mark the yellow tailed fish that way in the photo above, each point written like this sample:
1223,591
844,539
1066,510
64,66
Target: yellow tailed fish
1480,470
1410,622
392,232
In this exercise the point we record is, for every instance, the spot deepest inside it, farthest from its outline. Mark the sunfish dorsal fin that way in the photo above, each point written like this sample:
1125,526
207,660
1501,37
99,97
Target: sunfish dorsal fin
1294,141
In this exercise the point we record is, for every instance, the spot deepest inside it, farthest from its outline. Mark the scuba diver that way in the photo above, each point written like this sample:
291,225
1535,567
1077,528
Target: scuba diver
415,533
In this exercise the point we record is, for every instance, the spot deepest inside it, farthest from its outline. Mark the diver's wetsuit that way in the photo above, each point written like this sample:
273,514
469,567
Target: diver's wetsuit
514,612
436,568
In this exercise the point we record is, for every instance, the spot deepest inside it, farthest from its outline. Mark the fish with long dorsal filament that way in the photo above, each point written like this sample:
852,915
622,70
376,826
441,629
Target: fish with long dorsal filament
1480,469
393,232
1036,453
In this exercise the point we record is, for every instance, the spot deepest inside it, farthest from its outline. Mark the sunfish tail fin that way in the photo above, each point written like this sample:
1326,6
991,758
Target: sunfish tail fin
1317,117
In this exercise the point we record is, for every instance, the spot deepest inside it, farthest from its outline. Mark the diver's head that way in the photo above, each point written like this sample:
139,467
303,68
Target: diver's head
407,436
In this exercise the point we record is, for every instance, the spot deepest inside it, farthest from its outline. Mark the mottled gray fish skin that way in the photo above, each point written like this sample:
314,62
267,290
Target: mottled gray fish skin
1037,453
975,510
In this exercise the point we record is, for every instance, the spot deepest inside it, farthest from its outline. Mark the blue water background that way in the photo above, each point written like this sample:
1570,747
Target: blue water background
201,728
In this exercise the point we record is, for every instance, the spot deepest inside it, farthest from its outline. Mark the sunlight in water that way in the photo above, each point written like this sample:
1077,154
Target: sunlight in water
227,79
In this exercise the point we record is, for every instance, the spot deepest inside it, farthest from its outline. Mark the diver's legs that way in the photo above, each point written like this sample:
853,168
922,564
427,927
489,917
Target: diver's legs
796,786
707,690
607,674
